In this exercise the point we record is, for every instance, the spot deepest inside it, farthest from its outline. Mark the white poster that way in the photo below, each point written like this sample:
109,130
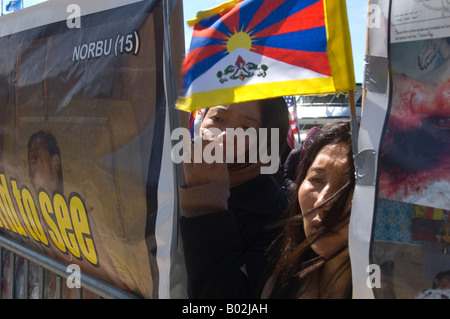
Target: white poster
401,225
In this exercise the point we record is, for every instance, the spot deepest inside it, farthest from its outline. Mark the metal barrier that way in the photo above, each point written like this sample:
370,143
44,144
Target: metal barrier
48,265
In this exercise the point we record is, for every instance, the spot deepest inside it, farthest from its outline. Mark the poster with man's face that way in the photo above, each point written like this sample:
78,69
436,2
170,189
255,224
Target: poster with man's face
82,117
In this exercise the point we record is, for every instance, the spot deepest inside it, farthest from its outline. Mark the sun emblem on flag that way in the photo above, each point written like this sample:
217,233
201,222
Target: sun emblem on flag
237,40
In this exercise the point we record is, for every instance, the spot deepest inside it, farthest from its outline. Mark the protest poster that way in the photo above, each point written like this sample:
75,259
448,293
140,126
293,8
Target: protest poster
86,178
400,219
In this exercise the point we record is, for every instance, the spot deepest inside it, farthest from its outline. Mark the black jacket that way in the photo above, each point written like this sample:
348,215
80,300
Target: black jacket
225,252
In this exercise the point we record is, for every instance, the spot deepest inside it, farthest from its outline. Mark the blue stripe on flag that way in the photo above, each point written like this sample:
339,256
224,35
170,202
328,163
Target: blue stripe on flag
199,42
247,11
201,67
215,22
311,40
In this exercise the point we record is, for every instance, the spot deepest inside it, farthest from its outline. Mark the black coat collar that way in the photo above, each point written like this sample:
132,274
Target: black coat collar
261,195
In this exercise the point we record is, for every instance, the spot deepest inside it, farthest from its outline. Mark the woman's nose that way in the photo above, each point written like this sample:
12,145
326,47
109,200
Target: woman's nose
323,196
316,221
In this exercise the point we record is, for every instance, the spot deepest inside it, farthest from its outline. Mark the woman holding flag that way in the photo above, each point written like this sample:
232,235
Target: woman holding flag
230,208
254,50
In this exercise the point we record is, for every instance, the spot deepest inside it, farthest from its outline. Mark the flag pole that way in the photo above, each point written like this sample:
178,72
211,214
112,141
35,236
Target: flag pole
354,121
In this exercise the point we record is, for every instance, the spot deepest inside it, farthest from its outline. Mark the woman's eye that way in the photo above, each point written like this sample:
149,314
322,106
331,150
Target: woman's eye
215,118
315,180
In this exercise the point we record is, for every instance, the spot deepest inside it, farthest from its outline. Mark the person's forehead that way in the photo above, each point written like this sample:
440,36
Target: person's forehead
336,153
39,144
249,107
247,110
243,107
37,141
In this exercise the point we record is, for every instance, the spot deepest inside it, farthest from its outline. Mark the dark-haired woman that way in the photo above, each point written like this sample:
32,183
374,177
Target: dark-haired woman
229,208
311,255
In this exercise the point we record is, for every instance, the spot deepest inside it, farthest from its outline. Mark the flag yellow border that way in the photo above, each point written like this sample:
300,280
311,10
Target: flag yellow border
339,45
244,93
208,13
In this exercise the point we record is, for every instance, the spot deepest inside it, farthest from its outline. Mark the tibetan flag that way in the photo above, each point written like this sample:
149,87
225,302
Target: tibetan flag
195,121
255,49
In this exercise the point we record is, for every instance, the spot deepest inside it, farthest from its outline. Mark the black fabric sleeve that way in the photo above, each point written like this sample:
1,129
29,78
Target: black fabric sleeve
212,253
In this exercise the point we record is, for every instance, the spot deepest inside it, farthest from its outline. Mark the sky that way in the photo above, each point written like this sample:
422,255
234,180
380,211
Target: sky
356,11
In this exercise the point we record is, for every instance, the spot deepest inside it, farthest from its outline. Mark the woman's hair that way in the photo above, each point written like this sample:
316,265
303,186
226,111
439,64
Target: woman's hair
275,114
293,254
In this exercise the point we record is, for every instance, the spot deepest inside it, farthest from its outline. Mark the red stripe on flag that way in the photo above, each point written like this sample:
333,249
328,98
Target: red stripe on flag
308,18
263,12
291,139
314,61
198,55
231,18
